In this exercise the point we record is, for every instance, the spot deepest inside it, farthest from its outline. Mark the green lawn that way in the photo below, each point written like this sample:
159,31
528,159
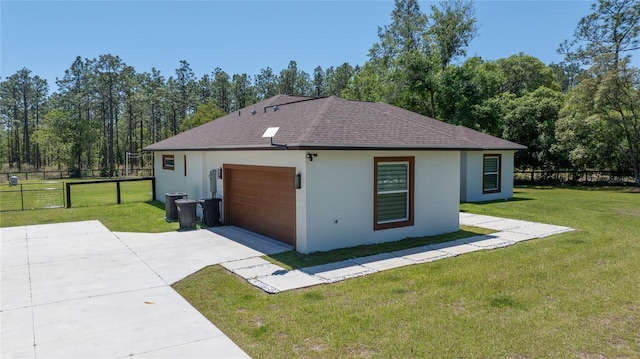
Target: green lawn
571,295
137,213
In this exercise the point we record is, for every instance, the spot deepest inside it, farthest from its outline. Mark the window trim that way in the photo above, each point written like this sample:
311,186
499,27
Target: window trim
410,195
165,165
498,174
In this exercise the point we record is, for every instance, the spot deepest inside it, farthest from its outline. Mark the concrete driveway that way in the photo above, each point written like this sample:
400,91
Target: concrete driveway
77,290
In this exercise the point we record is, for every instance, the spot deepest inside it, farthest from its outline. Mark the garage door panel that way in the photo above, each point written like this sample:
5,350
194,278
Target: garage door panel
261,199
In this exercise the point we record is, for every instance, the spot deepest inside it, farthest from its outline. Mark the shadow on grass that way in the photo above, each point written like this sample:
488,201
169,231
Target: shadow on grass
294,260
156,204
622,188
619,189
514,199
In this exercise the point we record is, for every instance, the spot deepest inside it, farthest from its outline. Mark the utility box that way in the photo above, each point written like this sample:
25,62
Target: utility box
13,181
186,213
210,211
171,212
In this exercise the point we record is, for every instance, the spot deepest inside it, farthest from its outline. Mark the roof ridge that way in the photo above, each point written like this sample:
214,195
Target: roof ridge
324,108
306,98
419,123
465,132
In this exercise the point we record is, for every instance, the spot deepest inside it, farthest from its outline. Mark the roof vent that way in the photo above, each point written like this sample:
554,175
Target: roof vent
276,108
253,112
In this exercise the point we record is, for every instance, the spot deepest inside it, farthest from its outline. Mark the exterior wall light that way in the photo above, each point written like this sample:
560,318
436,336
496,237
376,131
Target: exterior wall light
220,173
298,180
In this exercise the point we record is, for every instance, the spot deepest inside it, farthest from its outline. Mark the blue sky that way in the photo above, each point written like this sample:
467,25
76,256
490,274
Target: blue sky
246,36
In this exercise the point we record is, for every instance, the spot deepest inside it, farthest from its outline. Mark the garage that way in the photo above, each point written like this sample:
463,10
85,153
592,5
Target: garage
261,199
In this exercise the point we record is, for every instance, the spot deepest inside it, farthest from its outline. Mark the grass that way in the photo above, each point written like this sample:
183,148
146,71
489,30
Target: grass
569,295
137,213
146,217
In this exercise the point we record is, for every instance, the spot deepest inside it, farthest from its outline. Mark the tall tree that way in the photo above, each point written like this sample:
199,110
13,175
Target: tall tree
266,84
204,113
40,96
25,88
109,69
288,79
606,39
242,91
584,139
10,111
132,100
453,29
338,79
365,85
222,90
612,29
524,73
318,82
205,89
186,86
414,50
22,99
566,74
466,95
401,59
77,98
153,93
530,119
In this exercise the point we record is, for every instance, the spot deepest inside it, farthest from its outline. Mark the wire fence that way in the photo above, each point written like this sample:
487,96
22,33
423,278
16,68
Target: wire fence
601,178
63,174
34,195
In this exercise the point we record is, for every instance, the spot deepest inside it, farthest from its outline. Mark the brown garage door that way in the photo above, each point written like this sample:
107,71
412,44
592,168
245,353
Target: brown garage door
261,199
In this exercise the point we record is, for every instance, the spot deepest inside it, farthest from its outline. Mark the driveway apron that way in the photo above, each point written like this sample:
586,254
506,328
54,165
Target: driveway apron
77,290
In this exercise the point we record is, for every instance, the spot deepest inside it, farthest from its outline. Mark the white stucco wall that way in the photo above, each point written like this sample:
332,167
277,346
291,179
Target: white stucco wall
334,207
340,198
471,173
197,185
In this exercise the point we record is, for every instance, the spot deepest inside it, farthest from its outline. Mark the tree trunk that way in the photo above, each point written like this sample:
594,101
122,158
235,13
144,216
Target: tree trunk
25,113
110,134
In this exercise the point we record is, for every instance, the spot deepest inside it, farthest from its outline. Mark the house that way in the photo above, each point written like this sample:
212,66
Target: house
326,173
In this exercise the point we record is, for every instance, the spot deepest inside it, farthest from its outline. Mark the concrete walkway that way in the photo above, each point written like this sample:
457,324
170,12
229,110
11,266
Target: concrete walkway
274,279
77,290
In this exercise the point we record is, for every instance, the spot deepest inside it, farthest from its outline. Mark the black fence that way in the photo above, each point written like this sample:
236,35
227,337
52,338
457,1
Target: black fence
97,191
602,178
59,194
62,174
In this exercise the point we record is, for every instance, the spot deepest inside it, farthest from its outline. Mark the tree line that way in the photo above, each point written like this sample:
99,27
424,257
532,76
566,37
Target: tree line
581,113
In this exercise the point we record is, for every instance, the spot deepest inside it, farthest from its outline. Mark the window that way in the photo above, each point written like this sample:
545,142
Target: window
491,174
168,162
393,192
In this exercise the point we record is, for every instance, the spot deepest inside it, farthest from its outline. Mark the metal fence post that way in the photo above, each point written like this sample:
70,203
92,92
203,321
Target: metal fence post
21,196
68,194
118,191
153,188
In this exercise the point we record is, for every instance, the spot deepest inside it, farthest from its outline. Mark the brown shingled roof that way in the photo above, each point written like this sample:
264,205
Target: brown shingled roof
329,122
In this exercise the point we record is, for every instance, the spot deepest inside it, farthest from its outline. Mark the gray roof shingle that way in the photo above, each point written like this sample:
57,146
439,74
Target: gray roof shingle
329,122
